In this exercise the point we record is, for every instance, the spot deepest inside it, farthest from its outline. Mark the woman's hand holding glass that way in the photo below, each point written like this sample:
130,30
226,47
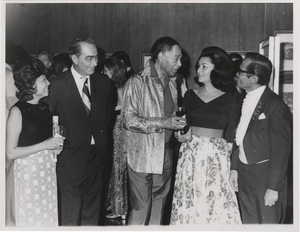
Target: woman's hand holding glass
59,135
54,143
183,137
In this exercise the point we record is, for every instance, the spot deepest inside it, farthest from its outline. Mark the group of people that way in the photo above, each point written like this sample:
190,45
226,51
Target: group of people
121,124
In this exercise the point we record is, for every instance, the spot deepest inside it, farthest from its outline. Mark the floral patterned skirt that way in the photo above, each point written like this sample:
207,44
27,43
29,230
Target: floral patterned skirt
202,192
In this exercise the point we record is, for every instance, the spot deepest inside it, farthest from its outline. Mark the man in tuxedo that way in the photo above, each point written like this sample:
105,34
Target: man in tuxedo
81,99
264,138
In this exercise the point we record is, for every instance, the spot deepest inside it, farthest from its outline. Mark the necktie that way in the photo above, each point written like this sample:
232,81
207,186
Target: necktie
179,97
86,97
166,82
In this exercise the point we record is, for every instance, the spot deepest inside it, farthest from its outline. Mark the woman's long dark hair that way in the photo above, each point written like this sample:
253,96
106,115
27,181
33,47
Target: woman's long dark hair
222,76
117,69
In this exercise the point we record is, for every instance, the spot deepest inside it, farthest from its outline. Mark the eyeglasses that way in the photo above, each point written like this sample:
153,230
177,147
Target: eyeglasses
243,71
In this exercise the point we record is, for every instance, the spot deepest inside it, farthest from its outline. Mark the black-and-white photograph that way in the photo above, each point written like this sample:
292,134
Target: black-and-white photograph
178,115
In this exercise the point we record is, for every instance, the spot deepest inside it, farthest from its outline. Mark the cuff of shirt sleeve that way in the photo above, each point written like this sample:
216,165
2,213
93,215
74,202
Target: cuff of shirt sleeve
155,125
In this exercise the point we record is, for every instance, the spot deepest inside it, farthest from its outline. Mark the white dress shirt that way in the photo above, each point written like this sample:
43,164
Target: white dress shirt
79,82
248,108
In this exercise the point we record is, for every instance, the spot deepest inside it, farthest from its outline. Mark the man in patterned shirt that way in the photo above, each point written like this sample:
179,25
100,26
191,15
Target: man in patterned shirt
150,100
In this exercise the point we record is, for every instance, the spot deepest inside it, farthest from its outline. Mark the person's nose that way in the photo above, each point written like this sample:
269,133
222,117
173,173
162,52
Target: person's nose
179,63
94,62
237,76
198,71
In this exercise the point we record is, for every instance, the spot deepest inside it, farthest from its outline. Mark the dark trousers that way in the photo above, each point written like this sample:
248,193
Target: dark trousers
148,193
252,184
80,198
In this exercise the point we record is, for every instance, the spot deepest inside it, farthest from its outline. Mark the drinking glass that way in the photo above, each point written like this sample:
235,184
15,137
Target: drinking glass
181,111
59,131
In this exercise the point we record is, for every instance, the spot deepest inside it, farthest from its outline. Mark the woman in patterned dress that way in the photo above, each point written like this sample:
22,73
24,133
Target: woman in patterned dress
117,193
30,144
202,193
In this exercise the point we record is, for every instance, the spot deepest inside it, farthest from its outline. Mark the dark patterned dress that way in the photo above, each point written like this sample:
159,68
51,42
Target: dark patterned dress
118,181
35,184
202,192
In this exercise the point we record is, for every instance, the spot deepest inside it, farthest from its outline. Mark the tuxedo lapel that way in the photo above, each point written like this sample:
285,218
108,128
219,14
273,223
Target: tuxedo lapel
258,110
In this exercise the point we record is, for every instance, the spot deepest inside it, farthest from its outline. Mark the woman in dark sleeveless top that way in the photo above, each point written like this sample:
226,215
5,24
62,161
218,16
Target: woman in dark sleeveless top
202,193
30,144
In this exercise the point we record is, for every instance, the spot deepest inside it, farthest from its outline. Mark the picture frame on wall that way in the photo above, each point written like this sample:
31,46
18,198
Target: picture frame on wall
284,61
266,48
279,49
284,55
145,56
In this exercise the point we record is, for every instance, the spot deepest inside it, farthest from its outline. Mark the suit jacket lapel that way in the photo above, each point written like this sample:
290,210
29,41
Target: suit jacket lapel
73,91
72,87
257,111
93,96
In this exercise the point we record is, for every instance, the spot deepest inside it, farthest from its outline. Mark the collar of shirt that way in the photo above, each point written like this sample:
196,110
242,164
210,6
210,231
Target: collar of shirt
251,101
164,80
256,93
78,80
248,107
153,72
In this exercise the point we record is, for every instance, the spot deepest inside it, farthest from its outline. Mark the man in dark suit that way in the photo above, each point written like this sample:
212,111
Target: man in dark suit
85,155
264,138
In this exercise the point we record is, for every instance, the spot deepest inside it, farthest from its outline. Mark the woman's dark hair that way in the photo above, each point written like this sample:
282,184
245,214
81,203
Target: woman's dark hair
121,55
26,71
117,69
14,52
222,75
60,62
237,60
235,56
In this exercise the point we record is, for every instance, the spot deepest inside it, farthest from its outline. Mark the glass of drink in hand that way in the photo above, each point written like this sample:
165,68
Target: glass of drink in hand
59,131
180,112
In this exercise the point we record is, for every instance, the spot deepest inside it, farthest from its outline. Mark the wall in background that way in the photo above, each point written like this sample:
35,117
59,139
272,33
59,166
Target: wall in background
133,27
